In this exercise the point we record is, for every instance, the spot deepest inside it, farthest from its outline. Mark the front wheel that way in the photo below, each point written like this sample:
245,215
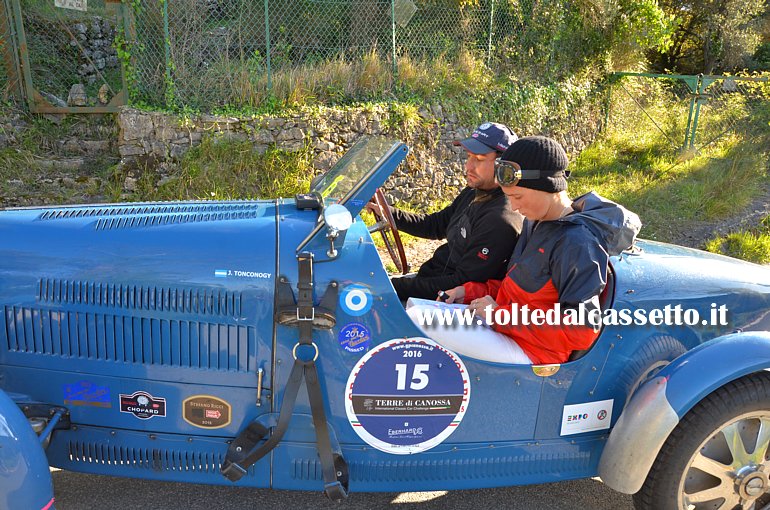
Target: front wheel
717,457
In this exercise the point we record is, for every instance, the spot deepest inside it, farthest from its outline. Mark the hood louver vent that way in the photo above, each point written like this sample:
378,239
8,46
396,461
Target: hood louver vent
102,337
144,458
150,215
131,297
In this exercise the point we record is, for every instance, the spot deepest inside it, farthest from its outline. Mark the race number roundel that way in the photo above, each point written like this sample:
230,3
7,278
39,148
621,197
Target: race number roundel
407,395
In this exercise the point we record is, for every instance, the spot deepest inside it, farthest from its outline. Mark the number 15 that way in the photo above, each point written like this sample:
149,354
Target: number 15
419,377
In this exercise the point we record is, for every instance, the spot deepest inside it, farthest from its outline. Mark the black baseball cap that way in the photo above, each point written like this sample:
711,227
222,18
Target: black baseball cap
489,137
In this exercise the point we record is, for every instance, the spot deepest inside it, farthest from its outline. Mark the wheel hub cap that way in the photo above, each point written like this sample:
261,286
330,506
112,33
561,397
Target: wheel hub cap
752,484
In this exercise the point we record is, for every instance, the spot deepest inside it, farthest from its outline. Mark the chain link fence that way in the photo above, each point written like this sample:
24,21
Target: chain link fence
208,53
689,112
61,55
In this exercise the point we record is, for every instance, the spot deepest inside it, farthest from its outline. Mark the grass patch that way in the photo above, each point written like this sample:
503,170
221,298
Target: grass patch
222,169
637,165
752,245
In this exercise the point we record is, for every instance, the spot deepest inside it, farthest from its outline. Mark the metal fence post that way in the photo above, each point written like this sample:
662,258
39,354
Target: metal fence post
491,23
393,36
10,51
167,49
703,83
267,46
24,55
693,84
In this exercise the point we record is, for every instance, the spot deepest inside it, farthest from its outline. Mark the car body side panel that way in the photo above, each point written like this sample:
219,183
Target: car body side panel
164,302
503,404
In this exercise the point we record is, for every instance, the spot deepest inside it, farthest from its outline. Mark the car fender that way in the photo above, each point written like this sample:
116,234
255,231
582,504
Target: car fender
654,411
25,478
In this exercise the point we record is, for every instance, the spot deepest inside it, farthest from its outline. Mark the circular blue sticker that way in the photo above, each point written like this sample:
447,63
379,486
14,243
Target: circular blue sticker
356,300
354,337
407,395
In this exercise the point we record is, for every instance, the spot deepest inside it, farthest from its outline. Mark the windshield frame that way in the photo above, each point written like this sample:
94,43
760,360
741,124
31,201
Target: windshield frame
391,158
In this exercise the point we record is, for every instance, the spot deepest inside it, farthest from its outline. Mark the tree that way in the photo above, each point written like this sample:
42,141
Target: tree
711,36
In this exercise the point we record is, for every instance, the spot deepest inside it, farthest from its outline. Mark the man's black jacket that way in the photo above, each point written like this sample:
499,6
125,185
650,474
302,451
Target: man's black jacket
481,232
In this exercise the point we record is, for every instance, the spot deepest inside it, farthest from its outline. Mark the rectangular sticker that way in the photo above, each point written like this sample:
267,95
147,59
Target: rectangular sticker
586,417
86,393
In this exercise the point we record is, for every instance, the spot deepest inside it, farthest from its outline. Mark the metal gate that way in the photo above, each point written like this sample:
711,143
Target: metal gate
693,111
61,55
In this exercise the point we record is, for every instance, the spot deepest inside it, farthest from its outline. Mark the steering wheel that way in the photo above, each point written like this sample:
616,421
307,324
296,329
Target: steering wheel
386,225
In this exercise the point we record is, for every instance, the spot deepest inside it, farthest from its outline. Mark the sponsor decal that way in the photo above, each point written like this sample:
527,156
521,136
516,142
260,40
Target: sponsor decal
485,125
586,417
86,393
356,300
235,273
485,251
354,337
206,412
143,405
407,395
482,256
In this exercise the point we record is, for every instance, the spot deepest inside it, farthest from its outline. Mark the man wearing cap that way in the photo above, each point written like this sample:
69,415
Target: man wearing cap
479,227
560,259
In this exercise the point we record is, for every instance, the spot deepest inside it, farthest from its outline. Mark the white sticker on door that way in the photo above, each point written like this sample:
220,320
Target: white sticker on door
579,418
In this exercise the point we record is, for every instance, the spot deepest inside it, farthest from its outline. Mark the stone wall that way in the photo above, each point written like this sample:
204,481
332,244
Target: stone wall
433,170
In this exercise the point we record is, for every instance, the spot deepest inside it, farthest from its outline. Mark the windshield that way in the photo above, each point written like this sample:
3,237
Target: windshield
352,168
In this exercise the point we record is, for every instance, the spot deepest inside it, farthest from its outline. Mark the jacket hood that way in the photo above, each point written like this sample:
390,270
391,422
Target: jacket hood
613,225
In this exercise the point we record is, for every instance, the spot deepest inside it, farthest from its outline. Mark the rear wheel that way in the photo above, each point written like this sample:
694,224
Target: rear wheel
717,457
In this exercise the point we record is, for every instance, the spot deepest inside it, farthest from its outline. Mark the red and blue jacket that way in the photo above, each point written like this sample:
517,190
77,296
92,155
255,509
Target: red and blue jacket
562,261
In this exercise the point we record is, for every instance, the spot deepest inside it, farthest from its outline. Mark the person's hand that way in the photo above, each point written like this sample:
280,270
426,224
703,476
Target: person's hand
372,207
455,295
479,305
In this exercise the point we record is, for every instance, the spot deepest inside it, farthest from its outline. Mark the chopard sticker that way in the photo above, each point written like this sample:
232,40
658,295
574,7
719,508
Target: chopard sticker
233,273
407,395
86,393
206,412
354,337
143,405
577,418
356,300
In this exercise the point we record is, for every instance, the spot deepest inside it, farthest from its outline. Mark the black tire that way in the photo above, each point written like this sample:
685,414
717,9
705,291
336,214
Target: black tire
740,409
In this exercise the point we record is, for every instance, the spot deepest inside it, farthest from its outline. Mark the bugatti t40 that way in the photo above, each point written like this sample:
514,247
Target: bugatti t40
261,344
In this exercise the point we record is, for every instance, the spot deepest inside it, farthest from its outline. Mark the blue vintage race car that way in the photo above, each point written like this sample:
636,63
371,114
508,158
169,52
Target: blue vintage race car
260,343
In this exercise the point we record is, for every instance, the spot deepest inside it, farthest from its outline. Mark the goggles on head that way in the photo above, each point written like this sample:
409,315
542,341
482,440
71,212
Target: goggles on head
507,173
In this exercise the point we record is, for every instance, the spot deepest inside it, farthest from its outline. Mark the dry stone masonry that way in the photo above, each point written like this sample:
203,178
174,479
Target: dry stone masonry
433,170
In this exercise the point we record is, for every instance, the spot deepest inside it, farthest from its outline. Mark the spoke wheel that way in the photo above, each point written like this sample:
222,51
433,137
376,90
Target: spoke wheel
386,225
717,457
730,469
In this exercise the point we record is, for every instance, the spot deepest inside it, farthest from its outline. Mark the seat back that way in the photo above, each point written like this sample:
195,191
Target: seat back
605,301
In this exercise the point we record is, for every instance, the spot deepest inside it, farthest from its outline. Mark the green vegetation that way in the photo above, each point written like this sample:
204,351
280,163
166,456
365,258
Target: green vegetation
641,167
24,171
224,169
753,244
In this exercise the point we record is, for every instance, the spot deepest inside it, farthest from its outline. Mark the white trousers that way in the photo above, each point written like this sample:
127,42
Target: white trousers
474,341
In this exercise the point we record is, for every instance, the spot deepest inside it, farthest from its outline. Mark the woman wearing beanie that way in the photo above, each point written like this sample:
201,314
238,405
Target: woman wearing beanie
559,264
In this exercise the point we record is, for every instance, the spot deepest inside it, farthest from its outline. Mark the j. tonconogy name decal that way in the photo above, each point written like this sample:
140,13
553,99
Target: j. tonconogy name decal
236,273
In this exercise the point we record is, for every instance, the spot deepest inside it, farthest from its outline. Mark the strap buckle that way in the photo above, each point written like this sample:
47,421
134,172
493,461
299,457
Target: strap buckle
306,318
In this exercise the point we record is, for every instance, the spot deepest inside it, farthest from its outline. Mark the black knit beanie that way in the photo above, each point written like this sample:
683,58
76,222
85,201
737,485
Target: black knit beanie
543,163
